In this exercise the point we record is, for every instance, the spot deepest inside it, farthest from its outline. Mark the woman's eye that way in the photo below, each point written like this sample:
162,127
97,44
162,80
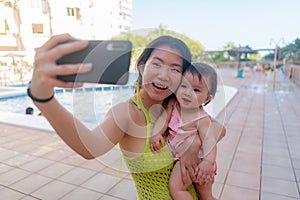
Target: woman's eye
176,70
155,65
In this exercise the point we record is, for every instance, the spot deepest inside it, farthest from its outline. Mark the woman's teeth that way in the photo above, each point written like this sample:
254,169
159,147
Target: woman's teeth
160,86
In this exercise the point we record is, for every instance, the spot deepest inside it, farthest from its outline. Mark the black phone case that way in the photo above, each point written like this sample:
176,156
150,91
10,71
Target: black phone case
110,59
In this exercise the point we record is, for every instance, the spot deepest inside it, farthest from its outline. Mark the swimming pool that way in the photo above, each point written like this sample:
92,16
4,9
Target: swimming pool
89,104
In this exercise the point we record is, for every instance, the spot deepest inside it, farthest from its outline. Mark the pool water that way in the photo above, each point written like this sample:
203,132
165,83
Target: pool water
87,104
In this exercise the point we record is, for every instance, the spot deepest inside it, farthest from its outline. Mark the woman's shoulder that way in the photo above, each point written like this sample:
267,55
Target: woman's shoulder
124,108
119,111
127,110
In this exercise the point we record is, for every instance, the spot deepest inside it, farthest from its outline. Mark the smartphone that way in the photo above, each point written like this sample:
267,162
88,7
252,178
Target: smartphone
110,60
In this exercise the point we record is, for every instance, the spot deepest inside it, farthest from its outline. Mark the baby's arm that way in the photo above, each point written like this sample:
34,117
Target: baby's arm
156,142
160,127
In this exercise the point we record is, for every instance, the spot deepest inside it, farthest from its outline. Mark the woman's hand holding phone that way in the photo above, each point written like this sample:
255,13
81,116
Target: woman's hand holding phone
46,70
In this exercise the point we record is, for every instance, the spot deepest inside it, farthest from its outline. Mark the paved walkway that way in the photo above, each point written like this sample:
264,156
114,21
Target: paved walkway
260,155
258,159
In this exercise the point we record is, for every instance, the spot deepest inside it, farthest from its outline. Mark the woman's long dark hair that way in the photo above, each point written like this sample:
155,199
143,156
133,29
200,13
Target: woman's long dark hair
171,42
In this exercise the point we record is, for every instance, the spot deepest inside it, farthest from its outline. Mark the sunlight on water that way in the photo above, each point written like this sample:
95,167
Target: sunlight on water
89,104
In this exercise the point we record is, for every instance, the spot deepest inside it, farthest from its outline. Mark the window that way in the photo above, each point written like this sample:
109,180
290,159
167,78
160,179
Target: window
44,6
124,28
37,28
74,12
4,28
35,3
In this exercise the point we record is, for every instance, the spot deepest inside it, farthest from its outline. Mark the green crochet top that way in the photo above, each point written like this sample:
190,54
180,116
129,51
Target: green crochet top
151,171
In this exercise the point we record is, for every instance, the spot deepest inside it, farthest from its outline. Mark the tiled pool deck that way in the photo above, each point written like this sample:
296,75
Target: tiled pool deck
258,159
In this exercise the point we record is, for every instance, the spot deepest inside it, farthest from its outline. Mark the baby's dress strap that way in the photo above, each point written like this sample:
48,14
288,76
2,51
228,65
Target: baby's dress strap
195,119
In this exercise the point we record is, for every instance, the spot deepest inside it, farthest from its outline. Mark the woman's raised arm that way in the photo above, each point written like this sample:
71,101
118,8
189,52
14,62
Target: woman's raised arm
74,133
189,151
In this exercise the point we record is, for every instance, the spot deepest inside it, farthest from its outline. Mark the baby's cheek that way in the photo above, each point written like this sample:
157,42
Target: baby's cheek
173,88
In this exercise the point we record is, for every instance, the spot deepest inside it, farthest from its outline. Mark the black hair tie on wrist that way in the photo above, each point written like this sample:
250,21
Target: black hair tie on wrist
33,98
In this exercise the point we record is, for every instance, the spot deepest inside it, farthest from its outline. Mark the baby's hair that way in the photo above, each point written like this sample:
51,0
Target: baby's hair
205,70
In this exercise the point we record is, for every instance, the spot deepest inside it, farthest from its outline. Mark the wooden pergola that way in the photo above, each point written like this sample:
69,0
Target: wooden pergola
239,52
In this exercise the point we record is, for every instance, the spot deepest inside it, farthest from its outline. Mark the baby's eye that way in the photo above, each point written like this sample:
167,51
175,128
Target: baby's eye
183,86
196,90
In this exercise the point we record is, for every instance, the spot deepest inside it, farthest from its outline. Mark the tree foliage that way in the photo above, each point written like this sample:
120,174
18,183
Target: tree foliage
290,52
228,53
223,56
139,42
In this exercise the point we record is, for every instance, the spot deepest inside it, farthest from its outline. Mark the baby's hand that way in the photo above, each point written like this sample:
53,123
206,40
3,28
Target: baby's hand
156,142
205,172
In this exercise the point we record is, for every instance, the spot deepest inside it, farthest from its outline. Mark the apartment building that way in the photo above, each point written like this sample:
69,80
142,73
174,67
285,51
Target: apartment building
27,24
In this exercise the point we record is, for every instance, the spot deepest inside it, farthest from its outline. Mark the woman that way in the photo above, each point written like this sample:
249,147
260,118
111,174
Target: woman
129,123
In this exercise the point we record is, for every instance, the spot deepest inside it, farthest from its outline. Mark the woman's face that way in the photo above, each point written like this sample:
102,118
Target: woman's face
162,73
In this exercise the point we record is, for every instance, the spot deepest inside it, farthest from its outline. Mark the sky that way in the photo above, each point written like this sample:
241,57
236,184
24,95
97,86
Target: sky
214,23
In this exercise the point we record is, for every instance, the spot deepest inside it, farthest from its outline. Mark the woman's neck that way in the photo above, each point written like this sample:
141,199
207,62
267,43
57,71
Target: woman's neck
152,105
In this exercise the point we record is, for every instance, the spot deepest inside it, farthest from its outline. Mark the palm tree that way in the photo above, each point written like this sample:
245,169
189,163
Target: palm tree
12,9
49,17
17,18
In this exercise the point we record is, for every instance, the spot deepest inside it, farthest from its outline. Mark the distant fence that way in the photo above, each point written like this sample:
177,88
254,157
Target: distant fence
251,64
293,72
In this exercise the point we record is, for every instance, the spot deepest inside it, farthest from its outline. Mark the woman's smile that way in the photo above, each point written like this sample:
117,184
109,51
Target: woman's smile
160,86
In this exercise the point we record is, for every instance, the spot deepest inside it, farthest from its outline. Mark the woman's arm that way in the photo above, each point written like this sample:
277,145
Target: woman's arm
217,130
189,151
87,143
209,138
82,140
205,171
189,159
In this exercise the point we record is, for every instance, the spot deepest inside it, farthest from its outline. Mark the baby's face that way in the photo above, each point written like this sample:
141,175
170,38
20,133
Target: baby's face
192,92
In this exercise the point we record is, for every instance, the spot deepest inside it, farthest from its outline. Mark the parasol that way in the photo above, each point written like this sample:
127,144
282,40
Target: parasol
13,55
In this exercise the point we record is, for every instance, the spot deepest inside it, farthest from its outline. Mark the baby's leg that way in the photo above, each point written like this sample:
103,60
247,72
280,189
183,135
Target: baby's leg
177,189
204,192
